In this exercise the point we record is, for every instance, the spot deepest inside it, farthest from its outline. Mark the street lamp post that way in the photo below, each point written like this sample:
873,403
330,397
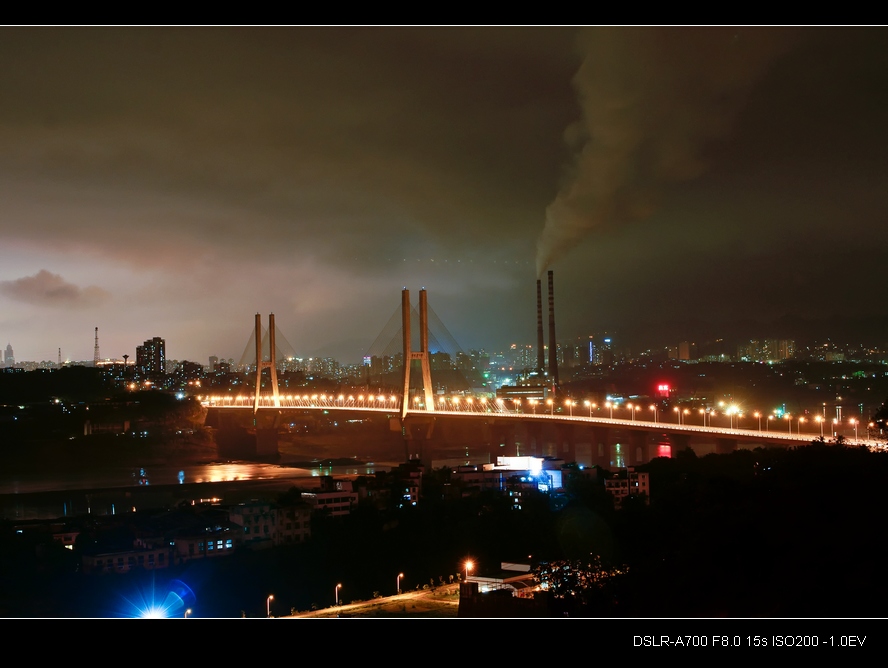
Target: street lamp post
589,405
819,419
854,422
551,406
268,605
336,592
632,408
799,426
469,566
789,421
610,406
654,408
570,407
759,416
678,411
400,575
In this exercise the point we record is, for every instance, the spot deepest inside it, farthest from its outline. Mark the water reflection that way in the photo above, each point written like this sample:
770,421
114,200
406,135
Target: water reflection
55,481
118,490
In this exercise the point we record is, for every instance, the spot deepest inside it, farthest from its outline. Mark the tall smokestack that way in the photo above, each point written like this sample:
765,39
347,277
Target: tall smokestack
541,355
553,348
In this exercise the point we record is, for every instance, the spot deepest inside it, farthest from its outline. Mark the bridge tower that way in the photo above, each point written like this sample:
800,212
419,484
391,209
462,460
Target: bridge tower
422,354
271,363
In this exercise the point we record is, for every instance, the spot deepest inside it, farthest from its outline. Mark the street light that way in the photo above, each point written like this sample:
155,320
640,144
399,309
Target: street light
551,406
789,421
703,417
759,416
570,407
799,426
533,402
336,592
732,410
187,612
678,411
268,605
820,420
610,405
854,422
469,566
590,406
654,408
400,575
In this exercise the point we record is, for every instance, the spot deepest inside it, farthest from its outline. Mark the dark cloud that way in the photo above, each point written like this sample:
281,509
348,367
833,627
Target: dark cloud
47,289
207,173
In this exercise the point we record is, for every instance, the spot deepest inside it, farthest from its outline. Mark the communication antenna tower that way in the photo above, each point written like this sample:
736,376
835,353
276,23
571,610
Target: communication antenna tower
96,350
60,358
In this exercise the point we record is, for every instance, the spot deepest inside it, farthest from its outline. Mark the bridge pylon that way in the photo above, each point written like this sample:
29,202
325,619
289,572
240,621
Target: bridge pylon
271,363
422,355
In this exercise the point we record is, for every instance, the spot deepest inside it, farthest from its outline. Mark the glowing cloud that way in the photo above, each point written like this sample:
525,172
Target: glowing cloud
47,289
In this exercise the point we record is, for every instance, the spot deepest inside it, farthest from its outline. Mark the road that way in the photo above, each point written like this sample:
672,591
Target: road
435,603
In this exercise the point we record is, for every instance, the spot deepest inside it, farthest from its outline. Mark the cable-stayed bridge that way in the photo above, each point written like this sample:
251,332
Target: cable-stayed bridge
510,423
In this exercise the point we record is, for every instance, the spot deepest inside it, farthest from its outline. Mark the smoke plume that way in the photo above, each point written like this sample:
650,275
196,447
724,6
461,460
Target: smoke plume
652,100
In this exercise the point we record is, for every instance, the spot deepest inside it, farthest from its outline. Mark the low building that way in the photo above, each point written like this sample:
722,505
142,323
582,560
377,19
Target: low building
333,497
516,578
123,561
263,522
626,483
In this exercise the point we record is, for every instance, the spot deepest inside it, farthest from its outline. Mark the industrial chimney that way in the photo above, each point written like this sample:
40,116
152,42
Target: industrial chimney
541,355
553,347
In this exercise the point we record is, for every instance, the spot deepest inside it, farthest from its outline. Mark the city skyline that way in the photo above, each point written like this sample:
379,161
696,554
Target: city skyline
174,181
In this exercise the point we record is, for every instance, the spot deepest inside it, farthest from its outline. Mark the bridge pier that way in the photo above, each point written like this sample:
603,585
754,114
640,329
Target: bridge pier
600,451
416,430
637,452
501,440
680,442
534,438
725,446
565,443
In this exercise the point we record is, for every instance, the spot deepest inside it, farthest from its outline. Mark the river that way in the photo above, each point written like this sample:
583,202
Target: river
50,493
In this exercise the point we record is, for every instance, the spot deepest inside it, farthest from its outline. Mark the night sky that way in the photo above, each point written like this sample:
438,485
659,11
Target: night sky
680,183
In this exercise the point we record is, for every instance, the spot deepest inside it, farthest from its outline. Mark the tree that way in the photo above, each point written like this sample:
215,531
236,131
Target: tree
584,582
881,416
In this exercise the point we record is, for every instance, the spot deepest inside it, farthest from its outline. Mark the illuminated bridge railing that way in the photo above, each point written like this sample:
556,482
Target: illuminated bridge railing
502,409
376,402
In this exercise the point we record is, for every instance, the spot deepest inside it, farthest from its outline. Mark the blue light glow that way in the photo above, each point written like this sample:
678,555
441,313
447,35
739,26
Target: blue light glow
161,603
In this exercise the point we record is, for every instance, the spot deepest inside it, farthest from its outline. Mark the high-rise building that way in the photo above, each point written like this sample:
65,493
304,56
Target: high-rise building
9,360
151,358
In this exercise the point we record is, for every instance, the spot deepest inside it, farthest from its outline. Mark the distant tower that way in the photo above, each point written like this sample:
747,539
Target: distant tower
60,358
96,349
